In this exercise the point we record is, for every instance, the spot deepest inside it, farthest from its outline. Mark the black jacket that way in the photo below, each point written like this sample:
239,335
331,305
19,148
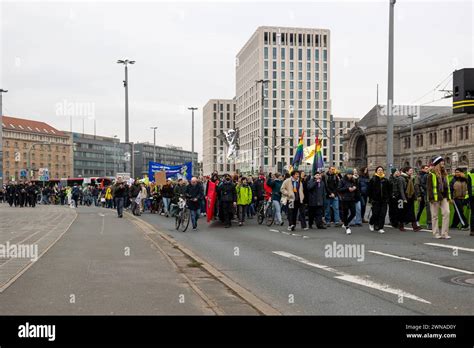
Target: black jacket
379,189
167,191
192,192
134,190
226,192
258,190
119,191
332,183
316,193
343,189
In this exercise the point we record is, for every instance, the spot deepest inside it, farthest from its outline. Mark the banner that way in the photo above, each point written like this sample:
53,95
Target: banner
183,171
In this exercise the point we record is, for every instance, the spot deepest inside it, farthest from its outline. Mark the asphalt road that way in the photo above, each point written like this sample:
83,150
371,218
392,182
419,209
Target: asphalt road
396,273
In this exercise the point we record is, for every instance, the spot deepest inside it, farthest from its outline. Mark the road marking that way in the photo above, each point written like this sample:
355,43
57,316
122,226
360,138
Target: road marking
353,279
275,231
288,233
422,262
450,246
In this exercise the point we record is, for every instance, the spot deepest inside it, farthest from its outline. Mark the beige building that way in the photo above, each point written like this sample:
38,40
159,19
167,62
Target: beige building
296,63
437,131
22,140
342,126
218,116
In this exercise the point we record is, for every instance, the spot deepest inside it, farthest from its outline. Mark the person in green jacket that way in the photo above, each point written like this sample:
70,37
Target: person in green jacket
244,198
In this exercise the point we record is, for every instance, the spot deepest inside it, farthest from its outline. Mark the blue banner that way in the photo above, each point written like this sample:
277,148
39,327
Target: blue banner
173,172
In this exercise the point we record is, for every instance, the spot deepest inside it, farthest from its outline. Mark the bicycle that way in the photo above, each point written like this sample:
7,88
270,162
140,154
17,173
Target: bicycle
182,216
265,212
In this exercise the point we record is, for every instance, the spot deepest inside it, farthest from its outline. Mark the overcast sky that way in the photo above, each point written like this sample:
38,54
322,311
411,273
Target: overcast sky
54,53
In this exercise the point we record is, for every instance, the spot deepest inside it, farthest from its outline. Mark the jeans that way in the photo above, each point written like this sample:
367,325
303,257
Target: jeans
277,210
358,218
166,204
334,204
194,216
241,212
119,204
251,210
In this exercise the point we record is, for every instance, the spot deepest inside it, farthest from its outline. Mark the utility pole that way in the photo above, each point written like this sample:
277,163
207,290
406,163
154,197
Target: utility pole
332,132
411,140
105,162
1,135
154,143
125,62
390,88
262,146
192,108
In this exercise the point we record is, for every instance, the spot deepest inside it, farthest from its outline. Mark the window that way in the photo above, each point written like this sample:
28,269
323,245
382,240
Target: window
316,54
282,53
300,54
291,52
461,133
325,55
265,52
274,53
466,132
308,54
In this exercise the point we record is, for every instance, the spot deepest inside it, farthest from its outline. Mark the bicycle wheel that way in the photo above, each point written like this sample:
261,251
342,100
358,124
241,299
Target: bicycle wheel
270,216
260,214
178,220
185,220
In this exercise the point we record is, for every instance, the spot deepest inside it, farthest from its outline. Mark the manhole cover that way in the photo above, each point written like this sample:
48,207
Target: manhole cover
466,280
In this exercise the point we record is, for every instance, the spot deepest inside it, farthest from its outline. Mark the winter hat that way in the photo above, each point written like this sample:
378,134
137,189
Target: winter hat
350,171
393,170
437,160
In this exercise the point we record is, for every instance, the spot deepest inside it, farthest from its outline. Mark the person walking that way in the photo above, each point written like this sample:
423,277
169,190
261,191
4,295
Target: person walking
364,191
439,196
408,215
348,192
357,221
134,193
397,199
332,180
379,196
227,200
244,198
420,189
119,196
167,194
460,196
293,197
470,186
316,196
275,183
194,193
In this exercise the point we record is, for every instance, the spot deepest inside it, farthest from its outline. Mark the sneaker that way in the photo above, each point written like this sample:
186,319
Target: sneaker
289,228
438,236
194,228
446,237
293,228
348,231
465,228
240,224
371,228
381,231
305,229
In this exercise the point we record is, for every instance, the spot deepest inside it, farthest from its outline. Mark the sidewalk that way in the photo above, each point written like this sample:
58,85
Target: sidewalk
102,265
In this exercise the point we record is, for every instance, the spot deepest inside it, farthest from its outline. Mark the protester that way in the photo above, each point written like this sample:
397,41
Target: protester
470,185
364,194
332,180
408,214
194,193
244,198
420,189
397,200
316,196
349,194
460,196
275,183
227,196
379,195
293,196
439,196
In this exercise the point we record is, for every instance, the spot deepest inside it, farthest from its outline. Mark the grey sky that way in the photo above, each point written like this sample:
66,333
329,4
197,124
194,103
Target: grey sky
52,53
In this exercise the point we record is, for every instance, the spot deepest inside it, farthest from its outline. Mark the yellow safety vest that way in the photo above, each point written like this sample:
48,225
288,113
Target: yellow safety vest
471,175
435,187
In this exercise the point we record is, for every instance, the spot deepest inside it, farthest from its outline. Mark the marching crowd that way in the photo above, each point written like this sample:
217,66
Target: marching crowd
317,200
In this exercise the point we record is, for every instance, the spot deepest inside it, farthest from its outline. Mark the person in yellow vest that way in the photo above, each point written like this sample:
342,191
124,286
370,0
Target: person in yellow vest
470,188
108,197
439,196
458,186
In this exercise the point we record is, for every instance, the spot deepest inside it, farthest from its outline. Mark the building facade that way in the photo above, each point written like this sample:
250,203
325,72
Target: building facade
169,155
437,131
96,156
218,117
30,146
295,61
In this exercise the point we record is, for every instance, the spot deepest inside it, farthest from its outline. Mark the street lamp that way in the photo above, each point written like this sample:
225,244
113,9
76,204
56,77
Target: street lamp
262,161
390,87
115,155
125,62
192,139
1,136
154,143
411,117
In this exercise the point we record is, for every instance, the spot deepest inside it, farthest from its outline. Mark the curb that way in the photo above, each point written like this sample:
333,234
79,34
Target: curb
246,295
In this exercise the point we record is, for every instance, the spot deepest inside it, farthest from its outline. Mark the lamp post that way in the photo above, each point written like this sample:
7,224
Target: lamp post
192,139
262,161
390,88
115,155
1,136
125,62
411,117
154,143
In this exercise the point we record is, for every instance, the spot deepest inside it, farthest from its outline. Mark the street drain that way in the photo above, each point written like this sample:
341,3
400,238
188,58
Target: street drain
466,280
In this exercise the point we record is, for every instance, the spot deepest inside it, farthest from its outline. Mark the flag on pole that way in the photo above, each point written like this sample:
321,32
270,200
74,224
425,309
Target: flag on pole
318,161
298,155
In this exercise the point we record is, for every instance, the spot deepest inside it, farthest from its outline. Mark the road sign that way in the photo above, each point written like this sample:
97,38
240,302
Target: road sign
23,173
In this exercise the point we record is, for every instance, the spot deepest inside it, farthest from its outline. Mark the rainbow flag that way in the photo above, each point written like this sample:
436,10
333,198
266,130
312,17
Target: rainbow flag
298,155
318,161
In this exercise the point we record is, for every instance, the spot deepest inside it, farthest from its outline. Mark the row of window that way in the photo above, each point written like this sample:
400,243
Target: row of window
294,39
291,55
27,146
463,133
16,174
221,107
292,67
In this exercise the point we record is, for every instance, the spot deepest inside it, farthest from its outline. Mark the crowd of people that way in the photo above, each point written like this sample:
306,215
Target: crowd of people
315,201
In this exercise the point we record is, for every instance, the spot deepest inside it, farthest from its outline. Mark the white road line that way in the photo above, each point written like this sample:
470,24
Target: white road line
275,231
450,246
353,279
422,262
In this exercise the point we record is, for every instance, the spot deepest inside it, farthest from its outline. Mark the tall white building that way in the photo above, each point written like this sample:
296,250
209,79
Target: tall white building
218,116
296,63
